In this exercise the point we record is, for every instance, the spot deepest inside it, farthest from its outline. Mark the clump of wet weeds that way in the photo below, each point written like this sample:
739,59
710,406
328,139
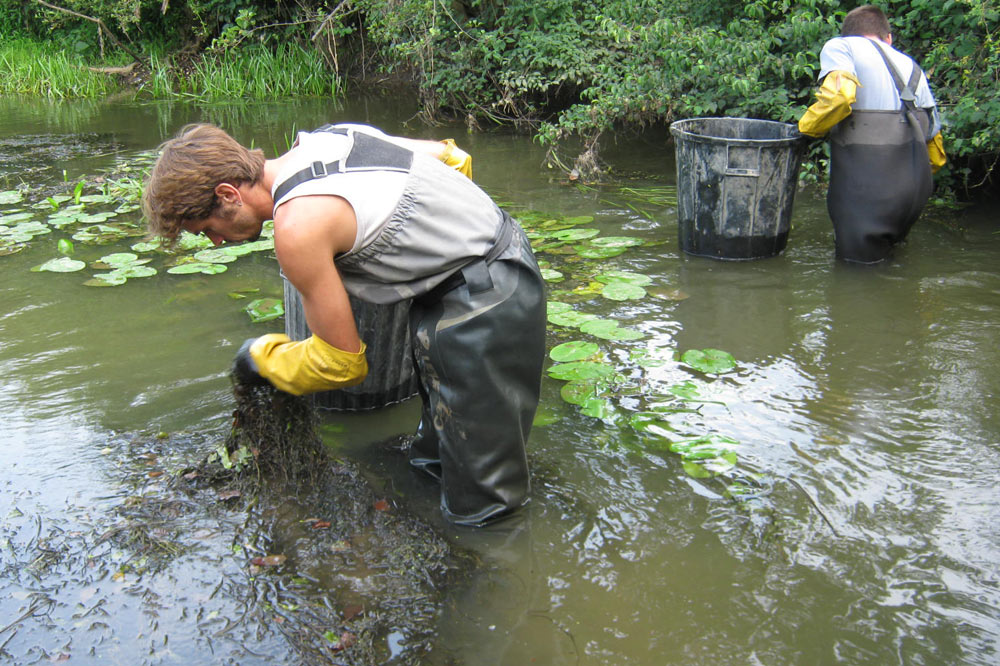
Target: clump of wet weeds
341,572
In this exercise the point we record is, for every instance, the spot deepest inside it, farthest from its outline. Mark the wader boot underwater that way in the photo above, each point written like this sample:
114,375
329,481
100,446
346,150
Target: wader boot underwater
479,343
880,175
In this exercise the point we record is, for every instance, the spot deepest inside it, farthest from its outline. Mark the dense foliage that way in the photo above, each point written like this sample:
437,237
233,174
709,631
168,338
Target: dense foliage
573,69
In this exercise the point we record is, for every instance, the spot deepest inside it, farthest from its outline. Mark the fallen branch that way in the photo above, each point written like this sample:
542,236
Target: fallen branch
121,71
100,26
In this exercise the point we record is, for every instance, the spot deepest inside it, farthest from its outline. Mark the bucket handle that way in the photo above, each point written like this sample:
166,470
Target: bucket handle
734,171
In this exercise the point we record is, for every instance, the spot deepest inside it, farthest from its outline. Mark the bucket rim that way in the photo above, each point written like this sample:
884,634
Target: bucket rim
679,132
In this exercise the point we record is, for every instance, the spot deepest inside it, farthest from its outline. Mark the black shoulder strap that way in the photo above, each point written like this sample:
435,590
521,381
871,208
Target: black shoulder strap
367,153
908,91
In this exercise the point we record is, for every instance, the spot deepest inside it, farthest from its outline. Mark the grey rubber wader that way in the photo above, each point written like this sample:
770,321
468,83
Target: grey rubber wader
880,177
479,348
477,322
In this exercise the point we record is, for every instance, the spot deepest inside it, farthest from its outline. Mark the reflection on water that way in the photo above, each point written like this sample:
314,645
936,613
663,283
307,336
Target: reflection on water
865,404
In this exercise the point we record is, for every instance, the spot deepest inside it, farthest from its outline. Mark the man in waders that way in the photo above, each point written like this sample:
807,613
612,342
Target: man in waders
385,219
885,136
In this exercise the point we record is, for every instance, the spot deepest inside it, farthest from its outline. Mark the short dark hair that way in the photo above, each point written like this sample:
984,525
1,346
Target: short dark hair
866,20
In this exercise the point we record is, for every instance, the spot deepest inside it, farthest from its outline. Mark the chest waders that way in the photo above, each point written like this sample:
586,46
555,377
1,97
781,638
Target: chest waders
478,337
880,175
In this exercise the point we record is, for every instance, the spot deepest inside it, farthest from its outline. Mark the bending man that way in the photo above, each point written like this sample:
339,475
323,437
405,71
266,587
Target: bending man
385,219
885,136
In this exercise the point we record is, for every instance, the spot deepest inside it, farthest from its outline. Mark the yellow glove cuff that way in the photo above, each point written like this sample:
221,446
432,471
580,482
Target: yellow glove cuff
833,103
307,366
456,158
935,151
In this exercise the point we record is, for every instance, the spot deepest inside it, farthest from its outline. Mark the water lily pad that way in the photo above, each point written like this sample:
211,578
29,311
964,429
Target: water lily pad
709,361
652,423
96,198
61,265
188,241
214,256
570,318
580,370
101,234
597,408
14,218
597,252
94,218
555,307
147,246
617,241
65,247
551,275
112,279
11,197
10,246
623,291
118,259
29,229
197,267
638,279
265,309
608,329
577,350
567,235
135,271
578,392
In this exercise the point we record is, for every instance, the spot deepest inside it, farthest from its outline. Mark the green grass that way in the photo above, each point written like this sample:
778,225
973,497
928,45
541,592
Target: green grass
34,69
250,73
255,73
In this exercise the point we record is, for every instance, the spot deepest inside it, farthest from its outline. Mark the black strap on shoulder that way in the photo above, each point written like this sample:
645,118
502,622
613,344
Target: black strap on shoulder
367,153
908,91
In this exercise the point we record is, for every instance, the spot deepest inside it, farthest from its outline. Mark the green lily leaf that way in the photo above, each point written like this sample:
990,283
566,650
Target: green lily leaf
637,279
11,197
555,307
608,329
571,235
709,361
14,218
597,408
135,271
147,246
577,392
581,370
265,309
570,318
197,267
112,279
65,246
623,291
597,252
550,275
617,241
61,265
214,256
577,350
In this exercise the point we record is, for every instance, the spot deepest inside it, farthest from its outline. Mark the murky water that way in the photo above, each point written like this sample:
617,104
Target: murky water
865,404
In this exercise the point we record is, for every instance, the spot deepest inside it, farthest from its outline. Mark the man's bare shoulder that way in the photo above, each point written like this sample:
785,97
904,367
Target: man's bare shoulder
321,222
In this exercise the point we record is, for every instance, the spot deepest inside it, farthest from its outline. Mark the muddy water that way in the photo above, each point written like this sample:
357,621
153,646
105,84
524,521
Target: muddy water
865,403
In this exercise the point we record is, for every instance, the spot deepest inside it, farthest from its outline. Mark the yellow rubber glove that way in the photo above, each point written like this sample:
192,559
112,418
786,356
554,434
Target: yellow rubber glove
456,158
935,150
833,103
306,366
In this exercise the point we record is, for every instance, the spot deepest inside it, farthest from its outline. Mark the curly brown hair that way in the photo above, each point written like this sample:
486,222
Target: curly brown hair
181,185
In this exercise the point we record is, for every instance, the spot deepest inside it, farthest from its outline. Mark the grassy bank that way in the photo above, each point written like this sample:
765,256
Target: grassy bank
45,70
30,68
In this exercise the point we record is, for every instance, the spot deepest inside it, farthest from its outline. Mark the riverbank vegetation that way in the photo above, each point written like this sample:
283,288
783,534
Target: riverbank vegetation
573,72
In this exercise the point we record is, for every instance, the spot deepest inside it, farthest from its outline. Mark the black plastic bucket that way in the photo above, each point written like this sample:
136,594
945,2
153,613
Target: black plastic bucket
736,181
385,329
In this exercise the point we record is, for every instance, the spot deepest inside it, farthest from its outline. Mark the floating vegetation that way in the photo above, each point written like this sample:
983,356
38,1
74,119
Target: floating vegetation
615,376
265,309
104,211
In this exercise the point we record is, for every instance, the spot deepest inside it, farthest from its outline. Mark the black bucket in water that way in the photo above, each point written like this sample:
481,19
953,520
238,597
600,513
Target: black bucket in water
736,180
386,331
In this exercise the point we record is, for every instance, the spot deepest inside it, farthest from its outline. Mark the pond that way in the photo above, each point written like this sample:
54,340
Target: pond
828,496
